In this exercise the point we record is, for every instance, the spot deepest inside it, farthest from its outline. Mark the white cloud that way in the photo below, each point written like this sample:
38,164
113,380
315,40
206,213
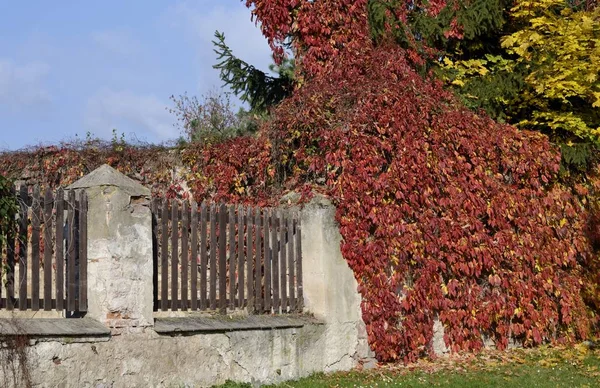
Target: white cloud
201,18
23,84
128,112
117,41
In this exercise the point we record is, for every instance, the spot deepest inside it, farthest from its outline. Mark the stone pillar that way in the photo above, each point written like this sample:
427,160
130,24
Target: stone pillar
330,289
120,289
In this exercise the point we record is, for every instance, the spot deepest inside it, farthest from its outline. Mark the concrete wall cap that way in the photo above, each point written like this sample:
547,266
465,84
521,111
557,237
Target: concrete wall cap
105,175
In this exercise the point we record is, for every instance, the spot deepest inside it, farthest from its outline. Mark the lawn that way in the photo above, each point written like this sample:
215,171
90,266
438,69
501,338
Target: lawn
577,366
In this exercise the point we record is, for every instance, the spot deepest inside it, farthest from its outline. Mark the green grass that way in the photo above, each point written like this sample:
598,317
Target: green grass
545,367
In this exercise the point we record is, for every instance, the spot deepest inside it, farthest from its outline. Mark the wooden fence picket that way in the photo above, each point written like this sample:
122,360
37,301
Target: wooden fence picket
266,268
174,255
23,240
249,258
194,257
155,209
232,258
35,249
291,266
213,257
60,261
222,258
164,257
283,262
268,255
203,257
240,264
185,258
48,249
70,250
10,269
258,266
274,267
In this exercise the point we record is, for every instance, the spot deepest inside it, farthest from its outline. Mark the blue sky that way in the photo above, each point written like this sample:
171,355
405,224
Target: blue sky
71,67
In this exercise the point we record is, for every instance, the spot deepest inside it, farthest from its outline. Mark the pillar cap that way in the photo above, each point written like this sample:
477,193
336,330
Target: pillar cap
105,175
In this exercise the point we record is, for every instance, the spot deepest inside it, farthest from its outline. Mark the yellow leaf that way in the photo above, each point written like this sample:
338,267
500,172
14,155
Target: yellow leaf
444,289
587,23
596,103
483,71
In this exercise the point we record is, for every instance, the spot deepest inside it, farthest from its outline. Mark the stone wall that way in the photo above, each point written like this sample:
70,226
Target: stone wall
134,352
330,289
152,360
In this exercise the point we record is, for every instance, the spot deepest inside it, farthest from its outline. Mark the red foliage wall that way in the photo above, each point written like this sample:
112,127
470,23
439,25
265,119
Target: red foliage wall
237,170
444,214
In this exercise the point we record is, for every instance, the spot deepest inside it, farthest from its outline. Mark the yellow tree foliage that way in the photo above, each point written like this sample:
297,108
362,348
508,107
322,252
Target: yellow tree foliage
555,47
562,47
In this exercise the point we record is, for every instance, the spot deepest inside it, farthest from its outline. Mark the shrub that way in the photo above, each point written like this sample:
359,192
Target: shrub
210,118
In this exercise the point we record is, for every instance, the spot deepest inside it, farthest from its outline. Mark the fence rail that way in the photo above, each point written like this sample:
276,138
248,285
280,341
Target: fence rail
220,257
45,262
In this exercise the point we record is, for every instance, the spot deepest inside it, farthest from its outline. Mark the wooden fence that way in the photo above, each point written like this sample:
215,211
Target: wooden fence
45,262
219,257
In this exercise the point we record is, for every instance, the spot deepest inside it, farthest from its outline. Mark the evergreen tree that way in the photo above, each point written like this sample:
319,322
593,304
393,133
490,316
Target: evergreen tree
251,85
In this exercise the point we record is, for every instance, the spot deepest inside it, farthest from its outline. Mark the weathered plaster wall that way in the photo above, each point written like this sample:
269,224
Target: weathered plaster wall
330,289
152,360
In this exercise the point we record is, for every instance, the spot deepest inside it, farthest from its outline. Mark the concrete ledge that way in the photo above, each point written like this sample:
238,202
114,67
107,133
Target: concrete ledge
225,324
53,327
